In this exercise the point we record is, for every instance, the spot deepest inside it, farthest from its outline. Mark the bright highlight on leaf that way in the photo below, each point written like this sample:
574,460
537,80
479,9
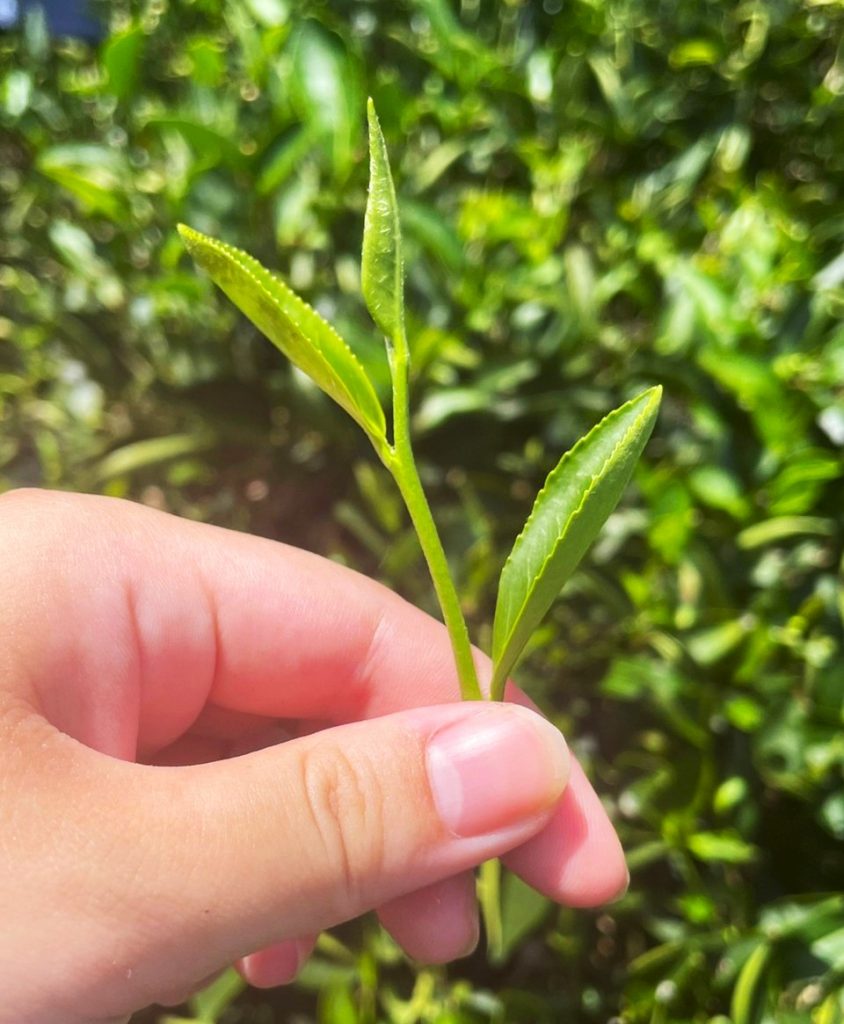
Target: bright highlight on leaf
568,513
382,272
292,326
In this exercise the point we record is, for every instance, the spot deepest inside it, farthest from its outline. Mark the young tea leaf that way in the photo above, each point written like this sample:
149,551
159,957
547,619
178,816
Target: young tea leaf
569,511
292,326
382,273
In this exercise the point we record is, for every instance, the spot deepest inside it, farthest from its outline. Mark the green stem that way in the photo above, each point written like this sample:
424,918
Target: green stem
410,486
402,465
489,897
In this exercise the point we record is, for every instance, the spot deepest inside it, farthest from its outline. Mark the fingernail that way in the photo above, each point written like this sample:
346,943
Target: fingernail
623,891
275,965
471,942
494,768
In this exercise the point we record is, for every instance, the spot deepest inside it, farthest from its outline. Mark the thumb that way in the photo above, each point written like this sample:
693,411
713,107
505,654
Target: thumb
295,838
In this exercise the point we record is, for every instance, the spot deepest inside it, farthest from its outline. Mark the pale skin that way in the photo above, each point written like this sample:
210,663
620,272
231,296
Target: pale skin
214,746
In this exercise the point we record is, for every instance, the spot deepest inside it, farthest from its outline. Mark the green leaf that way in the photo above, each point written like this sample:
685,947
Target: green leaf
523,909
721,848
287,154
121,59
293,327
151,452
783,528
382,273
569,511
427,227
209,1003
709,646
209,146
326,89
337,1006
95,175
748,1000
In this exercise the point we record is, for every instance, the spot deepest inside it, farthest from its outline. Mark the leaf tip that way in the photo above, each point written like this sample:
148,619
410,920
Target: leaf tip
650,400
190,237
375,133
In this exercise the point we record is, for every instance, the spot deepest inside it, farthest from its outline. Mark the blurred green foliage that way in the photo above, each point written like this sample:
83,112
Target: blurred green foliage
596,197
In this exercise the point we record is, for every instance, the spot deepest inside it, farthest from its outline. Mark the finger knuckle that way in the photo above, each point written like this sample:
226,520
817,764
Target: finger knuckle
346,808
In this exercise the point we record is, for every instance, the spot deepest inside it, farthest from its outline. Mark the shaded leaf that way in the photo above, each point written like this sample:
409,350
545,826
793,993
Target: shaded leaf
297,330
569,511
522,911
382,273
209,146
426,226
284,158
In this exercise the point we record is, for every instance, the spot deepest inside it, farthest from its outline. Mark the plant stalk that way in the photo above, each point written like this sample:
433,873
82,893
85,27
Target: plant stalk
489,897
402,465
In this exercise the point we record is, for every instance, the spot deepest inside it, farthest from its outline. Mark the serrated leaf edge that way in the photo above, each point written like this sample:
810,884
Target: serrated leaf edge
236,254
656,394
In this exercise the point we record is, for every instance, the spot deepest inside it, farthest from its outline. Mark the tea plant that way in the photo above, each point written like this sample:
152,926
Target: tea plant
593,196
570,509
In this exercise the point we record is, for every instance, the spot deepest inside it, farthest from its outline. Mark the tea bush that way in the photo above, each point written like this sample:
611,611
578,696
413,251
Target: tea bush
595,198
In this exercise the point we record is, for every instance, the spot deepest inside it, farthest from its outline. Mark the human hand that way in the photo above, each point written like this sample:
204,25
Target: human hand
139,855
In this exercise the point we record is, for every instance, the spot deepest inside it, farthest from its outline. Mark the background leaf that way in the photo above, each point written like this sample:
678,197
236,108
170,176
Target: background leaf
749,994
327,90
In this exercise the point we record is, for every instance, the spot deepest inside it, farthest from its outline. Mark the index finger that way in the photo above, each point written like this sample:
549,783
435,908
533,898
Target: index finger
128,622
173,615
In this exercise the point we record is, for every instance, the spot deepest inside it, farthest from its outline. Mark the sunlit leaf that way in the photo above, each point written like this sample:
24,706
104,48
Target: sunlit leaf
121,57
210,1002
293,326
783,528
749,993
327,89
569,511
151,452
721,848
337,1006
270,13
93,174
709,646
